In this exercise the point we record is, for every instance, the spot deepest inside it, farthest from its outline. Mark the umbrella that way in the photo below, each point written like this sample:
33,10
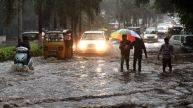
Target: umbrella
131,35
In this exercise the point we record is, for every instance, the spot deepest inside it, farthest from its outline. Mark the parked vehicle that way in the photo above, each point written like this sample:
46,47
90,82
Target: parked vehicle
176,30
32,35
162,29
58,44
182,43
93,42
150,34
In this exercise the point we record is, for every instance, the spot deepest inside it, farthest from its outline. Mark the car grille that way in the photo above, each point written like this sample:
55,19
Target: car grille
150,37
91,46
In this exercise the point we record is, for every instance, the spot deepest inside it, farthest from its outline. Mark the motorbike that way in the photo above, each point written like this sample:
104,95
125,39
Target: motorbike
21,62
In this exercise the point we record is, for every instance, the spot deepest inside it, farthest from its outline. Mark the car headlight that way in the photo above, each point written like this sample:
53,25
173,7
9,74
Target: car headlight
145,36
171,26
156,36
82,45
101,45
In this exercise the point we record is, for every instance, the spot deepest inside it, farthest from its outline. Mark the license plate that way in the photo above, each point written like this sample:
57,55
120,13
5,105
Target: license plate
91,45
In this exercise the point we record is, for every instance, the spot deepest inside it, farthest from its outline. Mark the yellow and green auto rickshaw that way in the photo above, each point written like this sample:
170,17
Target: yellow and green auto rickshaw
58,44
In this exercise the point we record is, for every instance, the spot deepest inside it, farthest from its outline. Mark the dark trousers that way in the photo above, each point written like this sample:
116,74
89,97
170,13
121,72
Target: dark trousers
167,62
126,59
137,58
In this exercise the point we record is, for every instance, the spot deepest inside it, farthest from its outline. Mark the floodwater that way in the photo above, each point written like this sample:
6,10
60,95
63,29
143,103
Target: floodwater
95,82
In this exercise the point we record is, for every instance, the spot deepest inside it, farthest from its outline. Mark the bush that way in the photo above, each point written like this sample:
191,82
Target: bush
8,53
36,50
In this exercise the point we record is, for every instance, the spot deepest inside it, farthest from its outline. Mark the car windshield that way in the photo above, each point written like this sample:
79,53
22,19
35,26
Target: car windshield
92,36
150,32
55,37
189,41
31,36
162,28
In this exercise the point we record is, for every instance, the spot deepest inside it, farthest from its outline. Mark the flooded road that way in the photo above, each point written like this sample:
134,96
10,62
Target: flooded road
95,82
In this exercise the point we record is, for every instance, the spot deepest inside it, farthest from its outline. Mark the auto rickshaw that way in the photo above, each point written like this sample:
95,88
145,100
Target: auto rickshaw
58,44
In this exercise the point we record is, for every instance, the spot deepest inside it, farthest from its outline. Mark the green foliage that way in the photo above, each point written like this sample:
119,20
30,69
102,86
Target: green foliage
8,53
36,50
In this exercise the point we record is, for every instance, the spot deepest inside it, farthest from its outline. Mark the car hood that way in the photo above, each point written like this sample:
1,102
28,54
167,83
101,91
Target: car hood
150,35
162,30
91,41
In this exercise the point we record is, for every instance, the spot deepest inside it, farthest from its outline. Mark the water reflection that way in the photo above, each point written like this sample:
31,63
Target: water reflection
98,69
126,77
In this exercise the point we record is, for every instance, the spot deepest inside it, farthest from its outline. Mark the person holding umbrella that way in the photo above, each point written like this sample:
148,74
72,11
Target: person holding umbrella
125,51
128,37
139,46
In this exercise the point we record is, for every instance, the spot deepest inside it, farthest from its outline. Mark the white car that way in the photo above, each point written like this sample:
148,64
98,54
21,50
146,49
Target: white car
162,28
182,43
150,34
93,42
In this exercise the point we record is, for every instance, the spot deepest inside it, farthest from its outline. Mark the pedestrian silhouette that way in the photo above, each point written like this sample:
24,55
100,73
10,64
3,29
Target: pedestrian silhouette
167,51
125,52
139,46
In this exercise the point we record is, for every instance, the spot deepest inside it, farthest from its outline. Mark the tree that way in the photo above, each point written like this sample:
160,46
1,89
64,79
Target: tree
54,13
67,10
182,7
9,9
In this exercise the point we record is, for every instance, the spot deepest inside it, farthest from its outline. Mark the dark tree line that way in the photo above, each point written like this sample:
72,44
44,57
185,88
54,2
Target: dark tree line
128,13
54,14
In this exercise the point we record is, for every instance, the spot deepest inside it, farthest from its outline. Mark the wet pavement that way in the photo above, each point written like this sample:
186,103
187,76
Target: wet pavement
95,82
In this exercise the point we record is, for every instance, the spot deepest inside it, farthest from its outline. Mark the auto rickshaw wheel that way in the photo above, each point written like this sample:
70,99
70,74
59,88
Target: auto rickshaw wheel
57,55
45,56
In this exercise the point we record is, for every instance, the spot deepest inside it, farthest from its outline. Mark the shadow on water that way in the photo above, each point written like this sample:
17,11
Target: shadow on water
129,76
140,77
176,73
126,77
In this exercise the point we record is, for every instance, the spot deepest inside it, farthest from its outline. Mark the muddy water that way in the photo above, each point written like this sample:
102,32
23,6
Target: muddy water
96,82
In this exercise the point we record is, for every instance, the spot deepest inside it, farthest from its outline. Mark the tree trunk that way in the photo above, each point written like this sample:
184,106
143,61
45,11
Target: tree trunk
40,23
80,24
64,22
20,24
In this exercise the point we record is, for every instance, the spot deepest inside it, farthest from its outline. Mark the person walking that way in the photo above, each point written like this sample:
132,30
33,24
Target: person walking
167,51
125,51
139,46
